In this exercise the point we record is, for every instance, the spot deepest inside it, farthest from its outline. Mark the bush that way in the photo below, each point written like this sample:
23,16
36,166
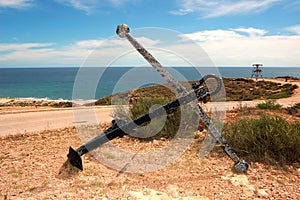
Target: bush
269,104
297,106
61,104
141,106
294,110
267,137
166,126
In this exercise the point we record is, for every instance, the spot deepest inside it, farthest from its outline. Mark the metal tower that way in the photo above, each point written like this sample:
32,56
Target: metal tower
257,71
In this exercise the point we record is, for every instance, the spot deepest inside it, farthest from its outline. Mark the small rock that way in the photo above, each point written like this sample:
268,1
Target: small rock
273,184
240,179
262,193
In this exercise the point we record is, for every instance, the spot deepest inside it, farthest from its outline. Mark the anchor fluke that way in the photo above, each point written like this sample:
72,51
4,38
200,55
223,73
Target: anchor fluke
75,159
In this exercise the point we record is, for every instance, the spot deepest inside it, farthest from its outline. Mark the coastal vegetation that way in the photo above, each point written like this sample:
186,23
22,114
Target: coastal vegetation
37,103
260,134
269,139
269,104
241,89
237,89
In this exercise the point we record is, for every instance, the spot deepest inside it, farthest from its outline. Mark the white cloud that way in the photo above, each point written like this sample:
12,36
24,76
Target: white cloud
118,3
39,54
16,4
229,47
232,48
113,51
23,46
89,6
91,52
214,35
217,8
90,44
252,32
85,5
294,29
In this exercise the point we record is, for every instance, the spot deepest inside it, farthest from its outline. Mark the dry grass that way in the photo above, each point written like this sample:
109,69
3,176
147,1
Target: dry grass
241,89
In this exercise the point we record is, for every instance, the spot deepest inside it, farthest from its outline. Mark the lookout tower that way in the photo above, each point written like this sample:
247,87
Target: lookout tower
257,71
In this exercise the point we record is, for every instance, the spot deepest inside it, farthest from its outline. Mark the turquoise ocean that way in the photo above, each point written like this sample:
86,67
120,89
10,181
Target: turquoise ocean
58,83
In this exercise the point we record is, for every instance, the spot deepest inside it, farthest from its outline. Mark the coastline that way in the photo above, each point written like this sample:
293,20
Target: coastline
58,83
22,115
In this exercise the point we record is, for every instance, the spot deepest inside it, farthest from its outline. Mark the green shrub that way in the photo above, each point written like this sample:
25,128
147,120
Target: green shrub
178,121
158,127
267,137
61,104
297,106
294,110
269,104
280,95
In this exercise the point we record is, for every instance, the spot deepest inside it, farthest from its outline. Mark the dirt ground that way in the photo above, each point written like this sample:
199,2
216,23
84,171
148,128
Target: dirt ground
31,167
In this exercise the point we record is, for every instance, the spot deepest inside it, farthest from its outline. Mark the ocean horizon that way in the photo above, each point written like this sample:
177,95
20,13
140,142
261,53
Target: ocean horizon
67,83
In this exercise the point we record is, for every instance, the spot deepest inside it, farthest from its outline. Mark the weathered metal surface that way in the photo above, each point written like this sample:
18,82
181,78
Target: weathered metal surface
120,128
124,32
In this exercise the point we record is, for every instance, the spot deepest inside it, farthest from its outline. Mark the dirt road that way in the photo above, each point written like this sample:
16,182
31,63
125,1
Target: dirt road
29,121
295,98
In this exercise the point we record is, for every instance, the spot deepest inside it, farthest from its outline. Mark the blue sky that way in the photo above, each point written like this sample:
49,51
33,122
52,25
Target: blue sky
46,33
